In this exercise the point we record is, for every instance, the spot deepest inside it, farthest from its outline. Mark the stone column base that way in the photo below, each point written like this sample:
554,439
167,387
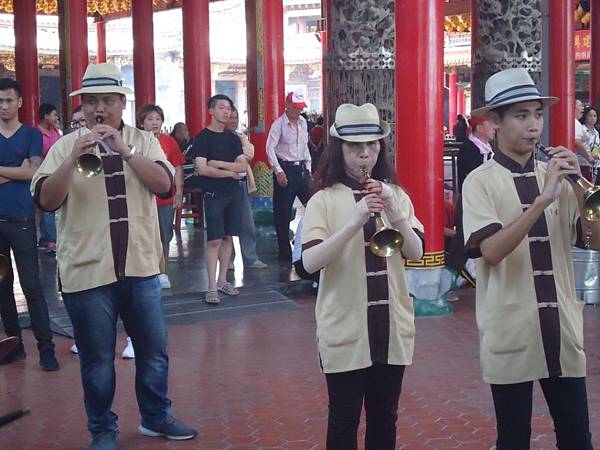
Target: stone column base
428,289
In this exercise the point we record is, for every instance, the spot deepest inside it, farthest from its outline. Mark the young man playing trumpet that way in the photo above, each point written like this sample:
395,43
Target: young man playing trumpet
108,254
521,218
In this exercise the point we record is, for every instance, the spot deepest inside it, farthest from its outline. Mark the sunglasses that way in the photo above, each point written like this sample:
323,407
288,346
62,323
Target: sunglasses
77,123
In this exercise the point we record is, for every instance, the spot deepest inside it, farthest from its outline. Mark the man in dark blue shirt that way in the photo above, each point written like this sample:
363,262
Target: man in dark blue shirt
20,155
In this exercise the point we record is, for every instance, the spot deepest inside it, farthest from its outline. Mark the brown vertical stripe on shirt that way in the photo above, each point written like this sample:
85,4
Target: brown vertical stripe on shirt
541,261
378,315
117,210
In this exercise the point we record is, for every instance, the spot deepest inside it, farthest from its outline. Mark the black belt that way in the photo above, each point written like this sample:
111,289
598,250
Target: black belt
15,219
291,163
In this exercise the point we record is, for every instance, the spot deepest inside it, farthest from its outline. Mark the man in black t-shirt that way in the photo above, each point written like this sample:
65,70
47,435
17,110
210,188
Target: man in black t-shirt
220,162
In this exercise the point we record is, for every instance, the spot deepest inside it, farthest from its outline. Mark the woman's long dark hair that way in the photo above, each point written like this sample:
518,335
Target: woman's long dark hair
331,167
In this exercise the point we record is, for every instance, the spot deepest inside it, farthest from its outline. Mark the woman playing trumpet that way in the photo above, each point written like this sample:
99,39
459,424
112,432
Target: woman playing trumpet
365,318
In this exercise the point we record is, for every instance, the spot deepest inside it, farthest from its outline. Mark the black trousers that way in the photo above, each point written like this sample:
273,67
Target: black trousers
380,387
21,238
567,401
283,199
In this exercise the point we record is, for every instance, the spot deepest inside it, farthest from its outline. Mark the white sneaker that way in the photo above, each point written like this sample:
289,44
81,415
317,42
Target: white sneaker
165,283
258,264
128,353
74,349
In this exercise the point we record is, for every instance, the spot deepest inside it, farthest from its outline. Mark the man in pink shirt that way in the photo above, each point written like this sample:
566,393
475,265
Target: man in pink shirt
49,125
289,156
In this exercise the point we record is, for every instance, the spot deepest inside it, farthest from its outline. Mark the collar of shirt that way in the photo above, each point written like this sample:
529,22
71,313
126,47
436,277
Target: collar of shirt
484,147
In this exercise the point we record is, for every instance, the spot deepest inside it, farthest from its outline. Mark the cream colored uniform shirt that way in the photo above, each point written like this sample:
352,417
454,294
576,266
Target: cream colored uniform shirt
85,245
342,303
530,322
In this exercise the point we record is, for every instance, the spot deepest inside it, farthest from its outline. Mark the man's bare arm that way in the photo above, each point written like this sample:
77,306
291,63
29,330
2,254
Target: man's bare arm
205,170
240,164
25,171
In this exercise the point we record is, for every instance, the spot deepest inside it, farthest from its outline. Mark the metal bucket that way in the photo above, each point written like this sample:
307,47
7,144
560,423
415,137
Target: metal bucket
586,266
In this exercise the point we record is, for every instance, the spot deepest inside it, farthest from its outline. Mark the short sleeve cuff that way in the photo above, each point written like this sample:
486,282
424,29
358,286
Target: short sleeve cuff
169,193
472,246
37,193
311,244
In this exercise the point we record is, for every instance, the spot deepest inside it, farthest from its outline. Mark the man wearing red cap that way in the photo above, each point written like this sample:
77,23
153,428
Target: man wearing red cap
287,149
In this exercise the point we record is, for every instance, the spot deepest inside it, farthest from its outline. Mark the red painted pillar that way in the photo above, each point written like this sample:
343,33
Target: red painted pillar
265,69
78,39
562,72
421,24
323,35
460,101
196,63
595,55
452,98
143,51
101,38
26,59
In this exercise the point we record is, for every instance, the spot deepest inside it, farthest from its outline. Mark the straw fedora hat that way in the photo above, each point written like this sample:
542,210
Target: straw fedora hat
358,123
104,78
508,87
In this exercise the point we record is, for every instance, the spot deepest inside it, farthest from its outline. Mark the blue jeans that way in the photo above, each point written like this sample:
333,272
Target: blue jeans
47,227
247,229
94,315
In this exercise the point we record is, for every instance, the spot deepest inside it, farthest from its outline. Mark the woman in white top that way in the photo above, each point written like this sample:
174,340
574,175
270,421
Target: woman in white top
592,138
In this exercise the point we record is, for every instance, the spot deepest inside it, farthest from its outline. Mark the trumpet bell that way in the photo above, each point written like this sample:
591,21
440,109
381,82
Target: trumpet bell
89,165
386,242
591,204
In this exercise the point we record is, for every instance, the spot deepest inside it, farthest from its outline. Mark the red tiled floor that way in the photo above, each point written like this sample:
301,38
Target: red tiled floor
254,383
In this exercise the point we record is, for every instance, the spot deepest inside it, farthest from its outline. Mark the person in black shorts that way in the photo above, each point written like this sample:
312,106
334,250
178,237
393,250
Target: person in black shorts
220,162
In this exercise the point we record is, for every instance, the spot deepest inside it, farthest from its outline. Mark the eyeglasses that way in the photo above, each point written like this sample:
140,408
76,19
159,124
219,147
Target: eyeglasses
77,123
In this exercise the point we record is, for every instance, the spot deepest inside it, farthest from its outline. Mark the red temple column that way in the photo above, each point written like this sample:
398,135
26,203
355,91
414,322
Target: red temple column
452,98
78,44
196,63
323,36
265,70
143,52
595,55
26,59
420,103
101,38
562,72
460,101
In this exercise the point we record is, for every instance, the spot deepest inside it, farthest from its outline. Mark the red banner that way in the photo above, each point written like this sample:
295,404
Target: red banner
583,45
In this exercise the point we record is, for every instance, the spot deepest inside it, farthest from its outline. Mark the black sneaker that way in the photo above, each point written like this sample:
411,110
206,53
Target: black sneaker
48,361
106,440
171,429
16,354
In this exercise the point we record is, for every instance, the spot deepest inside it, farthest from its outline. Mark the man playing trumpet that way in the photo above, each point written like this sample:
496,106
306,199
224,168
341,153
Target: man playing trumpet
108,254
521,219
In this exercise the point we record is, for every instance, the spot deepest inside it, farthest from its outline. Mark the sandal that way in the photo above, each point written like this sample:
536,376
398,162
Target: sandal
212,298
228,289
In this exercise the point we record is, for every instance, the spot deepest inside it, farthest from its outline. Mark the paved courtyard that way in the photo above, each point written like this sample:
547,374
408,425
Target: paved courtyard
246,375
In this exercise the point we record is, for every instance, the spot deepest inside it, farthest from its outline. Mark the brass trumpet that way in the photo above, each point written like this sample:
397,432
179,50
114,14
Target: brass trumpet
590,193
89,164
386,241
4,266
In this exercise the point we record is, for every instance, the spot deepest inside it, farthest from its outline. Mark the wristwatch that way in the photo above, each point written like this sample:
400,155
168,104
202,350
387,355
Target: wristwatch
128,156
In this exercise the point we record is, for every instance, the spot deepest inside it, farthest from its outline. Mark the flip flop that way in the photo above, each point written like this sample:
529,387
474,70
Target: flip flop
212,298
228,289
